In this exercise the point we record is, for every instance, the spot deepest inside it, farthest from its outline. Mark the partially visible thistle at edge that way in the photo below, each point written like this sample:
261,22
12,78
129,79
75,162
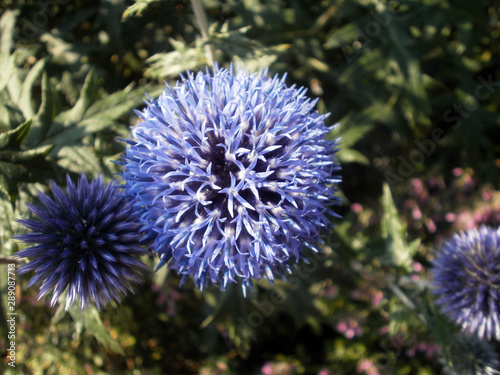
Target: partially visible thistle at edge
86,241
466,277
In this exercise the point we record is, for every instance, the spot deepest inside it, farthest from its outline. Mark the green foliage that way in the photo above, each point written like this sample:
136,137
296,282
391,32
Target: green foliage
184,57
90,320
18,165
137,8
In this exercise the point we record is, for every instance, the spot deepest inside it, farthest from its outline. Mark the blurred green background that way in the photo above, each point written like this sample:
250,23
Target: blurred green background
415,86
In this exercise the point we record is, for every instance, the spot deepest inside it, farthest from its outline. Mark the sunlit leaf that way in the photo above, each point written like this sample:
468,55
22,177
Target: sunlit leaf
89,318
399,253
137,8
18,165
7,24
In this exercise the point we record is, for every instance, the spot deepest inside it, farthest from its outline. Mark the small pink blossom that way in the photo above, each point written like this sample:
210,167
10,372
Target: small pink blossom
342,327
416,213
417,186
368,367
450,217
383,330
431,226
417,267
357,208
350,328
267,369
377,297
356,294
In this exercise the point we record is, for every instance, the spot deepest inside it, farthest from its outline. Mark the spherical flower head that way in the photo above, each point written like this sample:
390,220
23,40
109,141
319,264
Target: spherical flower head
232,176
470,355
466,277
87,240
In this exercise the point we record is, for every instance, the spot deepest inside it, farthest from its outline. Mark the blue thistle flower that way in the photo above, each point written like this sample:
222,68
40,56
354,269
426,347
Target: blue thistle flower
466,277
232,176
87,240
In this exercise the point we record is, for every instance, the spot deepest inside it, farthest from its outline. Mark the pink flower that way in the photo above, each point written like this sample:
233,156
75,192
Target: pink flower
411,352
383,330
377,297
417,267
417,186
342,327
416,213
267,369
368,367
431,226
356,294
357,208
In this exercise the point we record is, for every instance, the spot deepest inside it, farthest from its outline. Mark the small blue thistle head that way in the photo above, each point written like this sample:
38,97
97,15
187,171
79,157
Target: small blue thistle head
232,176
86,241
466,275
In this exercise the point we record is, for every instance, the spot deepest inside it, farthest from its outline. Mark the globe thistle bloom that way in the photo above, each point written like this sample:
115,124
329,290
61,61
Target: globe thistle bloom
232,176
466,277
470,355
86,241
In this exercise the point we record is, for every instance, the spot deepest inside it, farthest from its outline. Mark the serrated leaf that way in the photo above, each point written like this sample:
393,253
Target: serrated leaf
365,65
116,105
137,8
25,99
232,309
18,165
341,36
398,252
14,85
22,166
170,64
352,130
89,318
349,155
89,93
418,98
78,160
7,24
24,156
248,52
7,67
45,116
101,115
62,52
61,311
13,138
160,276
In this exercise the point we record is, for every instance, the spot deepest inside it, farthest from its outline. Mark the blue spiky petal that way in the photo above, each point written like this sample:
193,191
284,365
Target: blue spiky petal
466,275
86,242
232,176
